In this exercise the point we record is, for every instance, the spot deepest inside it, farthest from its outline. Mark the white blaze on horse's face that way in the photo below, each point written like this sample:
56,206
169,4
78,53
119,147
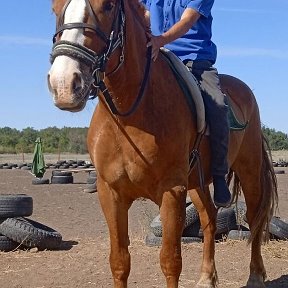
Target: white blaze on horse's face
64,77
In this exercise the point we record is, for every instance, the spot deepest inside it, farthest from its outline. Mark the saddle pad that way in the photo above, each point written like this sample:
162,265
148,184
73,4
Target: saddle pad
191,83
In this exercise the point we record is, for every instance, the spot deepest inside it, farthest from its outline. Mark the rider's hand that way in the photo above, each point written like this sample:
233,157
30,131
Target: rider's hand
156,42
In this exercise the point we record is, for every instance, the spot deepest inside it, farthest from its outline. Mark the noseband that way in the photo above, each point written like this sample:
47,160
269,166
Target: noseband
96,62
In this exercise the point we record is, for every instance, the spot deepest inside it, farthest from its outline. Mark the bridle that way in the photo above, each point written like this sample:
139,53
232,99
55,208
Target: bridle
96,62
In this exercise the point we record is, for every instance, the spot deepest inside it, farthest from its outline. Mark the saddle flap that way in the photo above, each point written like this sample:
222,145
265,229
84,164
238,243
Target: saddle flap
191,83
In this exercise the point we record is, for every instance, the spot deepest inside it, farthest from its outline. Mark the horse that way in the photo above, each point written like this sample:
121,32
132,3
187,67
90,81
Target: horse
142,132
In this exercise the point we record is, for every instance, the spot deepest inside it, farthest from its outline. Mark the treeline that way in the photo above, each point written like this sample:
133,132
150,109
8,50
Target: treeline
276,139
54,140
73,140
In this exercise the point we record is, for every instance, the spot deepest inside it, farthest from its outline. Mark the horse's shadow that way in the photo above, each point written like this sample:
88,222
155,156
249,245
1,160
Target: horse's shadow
281,282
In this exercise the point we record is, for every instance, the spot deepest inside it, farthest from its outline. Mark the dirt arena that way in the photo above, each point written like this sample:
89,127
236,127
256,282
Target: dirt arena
83,260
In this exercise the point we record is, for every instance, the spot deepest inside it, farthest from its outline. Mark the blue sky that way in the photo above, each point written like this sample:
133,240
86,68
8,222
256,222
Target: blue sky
252,45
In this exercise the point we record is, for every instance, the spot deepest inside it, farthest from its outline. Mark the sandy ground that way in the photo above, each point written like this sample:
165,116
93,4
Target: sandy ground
83,260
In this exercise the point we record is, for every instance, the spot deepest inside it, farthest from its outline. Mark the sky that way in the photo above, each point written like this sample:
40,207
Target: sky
252,41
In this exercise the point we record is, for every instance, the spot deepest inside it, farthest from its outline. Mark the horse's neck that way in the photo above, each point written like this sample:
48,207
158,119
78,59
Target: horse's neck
125,83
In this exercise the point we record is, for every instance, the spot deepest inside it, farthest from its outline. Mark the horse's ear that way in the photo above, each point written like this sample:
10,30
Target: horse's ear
52,4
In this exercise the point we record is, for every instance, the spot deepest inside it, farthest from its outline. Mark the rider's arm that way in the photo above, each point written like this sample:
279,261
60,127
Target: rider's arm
188,19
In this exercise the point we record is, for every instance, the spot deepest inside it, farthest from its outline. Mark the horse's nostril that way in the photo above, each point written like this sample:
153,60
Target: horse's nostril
48,82
51,89
77,82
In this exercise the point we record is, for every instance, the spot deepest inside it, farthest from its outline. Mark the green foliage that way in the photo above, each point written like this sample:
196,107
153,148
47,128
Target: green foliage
55,140
277,140
73,140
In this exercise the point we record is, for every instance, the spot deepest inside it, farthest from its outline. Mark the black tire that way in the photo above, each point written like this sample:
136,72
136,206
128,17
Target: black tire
61,179
91,180
90,188
81,167
93,174
191,217
40,181
152,240
25,168
61,173
156,226
7,167
278,228
30,233
7,244
240,212
20,165
238,235
193,230
15,205
226,220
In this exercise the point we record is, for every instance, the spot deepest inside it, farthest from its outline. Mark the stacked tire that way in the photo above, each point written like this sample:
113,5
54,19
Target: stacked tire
192,219
91,183
18,231
231,224
40,181
61,177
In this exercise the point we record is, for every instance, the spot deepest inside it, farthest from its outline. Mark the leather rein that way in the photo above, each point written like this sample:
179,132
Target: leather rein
97,62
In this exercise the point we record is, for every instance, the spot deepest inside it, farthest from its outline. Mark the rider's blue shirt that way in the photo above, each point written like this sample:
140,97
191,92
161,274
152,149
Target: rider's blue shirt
196,44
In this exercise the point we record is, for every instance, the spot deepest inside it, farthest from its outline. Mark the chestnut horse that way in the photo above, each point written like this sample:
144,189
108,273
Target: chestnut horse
142,133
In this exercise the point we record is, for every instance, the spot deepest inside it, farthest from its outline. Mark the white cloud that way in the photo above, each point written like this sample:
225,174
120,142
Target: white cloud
24,41
252,52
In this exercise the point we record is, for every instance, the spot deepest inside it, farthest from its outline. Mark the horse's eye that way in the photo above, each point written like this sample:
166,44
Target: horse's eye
108,6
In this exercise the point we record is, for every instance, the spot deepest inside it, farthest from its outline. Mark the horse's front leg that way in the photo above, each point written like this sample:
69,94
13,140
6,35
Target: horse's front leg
115,209
172,212
207,213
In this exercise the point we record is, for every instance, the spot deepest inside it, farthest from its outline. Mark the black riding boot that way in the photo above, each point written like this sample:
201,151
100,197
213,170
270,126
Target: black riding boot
219,137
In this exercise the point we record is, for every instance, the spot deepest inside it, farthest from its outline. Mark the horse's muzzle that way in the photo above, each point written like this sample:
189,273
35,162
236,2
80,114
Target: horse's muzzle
68,93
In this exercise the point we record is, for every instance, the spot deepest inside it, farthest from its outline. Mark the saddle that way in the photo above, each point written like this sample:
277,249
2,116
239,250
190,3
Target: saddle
193,95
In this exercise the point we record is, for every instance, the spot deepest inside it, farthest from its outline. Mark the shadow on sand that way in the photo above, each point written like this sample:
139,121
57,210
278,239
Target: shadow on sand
281,282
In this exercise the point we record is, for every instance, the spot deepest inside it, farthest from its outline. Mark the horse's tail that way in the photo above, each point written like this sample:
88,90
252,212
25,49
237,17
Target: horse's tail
269,195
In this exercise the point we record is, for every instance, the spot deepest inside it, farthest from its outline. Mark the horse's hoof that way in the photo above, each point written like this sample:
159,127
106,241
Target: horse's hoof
205,285
207,282
255,281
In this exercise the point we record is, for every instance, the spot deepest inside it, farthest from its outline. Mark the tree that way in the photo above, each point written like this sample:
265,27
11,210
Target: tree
73,139
8,139
277,140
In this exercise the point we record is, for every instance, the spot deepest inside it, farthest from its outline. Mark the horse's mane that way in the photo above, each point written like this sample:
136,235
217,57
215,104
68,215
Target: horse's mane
139,9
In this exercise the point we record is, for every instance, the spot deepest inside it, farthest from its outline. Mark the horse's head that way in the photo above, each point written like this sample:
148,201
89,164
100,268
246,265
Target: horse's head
87,33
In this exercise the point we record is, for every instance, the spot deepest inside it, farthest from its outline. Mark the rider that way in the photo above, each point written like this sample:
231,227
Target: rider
184,27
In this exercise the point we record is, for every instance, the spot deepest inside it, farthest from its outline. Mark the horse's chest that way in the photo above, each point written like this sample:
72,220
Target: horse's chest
128,161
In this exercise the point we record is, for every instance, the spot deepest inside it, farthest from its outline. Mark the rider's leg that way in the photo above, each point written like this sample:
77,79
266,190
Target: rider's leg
216,115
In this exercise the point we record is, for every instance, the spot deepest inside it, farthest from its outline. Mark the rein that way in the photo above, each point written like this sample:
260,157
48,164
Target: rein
97,62
109,99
